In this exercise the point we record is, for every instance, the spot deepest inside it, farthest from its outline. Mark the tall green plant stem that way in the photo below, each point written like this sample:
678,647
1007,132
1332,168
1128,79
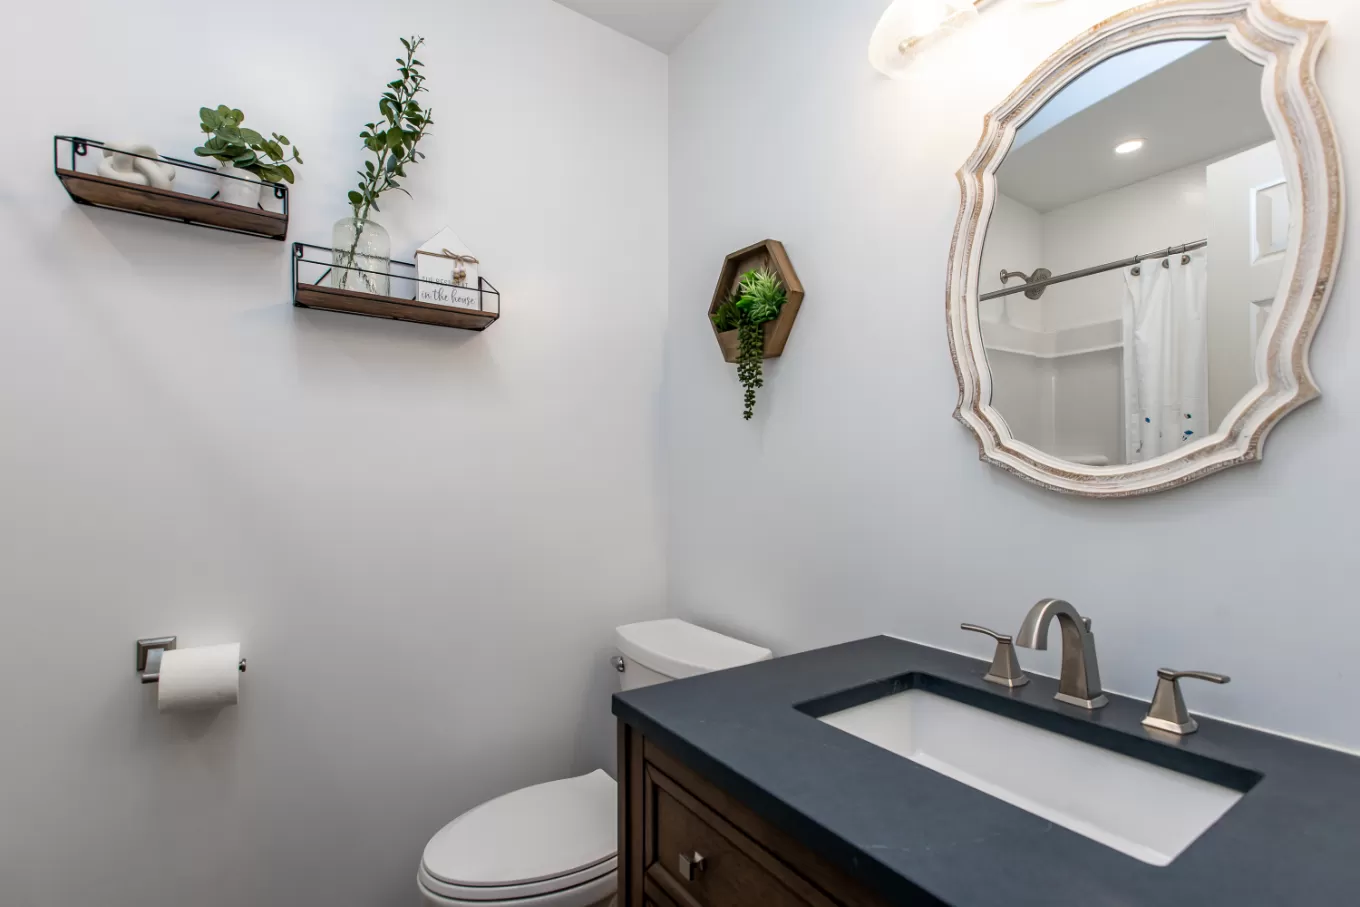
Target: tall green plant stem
393,141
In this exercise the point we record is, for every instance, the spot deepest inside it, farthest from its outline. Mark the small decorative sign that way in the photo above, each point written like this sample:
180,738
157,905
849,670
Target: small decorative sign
448,272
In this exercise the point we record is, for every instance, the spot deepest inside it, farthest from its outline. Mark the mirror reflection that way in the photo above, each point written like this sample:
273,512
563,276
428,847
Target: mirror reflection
1136,247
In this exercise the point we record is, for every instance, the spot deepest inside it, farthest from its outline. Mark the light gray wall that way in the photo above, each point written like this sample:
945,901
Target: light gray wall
422,537
853,504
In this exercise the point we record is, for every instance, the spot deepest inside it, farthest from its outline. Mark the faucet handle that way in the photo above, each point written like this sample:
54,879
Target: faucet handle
1168,674
1168,711
1005,668
999,637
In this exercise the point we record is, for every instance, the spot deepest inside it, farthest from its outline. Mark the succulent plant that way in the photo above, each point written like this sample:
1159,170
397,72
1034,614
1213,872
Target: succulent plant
761,295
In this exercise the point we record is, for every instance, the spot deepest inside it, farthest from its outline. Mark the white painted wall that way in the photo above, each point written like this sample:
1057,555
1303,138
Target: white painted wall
423,537
853,505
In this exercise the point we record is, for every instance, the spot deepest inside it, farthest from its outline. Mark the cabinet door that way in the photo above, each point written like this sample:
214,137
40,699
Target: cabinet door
691,855
683,842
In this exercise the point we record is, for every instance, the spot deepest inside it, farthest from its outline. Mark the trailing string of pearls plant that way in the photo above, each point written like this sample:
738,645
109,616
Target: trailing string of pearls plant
758,298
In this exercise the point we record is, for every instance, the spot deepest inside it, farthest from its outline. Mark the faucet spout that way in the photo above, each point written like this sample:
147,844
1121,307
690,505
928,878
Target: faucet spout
1079,683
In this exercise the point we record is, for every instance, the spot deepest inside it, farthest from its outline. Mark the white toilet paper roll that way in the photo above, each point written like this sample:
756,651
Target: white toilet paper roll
203,678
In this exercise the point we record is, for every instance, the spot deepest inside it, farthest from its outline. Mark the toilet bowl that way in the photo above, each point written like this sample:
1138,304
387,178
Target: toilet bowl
556,844
551,844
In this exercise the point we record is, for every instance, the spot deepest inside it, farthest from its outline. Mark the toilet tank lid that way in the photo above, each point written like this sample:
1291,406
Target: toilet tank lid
678,649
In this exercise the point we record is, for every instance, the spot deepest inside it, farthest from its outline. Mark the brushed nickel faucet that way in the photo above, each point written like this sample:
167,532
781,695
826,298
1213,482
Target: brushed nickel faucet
1079,683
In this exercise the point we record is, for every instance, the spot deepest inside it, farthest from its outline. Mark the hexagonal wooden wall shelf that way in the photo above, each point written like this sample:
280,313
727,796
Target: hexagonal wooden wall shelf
768,254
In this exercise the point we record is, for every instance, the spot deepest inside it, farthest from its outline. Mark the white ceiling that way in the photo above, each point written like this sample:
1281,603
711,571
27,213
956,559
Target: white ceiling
661,23
1200,107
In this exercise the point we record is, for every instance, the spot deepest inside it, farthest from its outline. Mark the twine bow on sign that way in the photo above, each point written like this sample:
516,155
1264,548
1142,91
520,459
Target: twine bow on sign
465,259
459,269
460,263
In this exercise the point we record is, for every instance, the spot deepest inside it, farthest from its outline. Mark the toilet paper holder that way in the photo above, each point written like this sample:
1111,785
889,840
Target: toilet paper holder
150,652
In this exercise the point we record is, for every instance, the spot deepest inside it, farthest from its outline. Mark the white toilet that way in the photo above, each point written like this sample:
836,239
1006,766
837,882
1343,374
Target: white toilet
556,844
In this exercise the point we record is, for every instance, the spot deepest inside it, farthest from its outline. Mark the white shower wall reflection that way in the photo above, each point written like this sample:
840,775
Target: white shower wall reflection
1131,362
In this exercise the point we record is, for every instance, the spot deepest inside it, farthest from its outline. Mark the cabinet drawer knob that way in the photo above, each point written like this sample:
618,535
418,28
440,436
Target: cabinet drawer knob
690,864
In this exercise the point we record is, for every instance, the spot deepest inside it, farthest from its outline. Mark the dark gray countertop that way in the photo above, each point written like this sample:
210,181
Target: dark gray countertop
914,835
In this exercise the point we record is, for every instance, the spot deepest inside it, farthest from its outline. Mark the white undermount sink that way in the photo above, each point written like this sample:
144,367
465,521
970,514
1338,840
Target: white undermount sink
1143,810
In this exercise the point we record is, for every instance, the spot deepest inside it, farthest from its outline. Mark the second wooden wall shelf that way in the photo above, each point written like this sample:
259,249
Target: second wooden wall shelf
318,293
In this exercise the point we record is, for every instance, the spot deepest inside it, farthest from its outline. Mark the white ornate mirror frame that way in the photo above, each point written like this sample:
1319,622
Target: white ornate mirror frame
1288,48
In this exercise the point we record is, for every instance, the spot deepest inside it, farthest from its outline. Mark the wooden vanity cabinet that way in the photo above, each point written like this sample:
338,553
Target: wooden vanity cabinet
685,843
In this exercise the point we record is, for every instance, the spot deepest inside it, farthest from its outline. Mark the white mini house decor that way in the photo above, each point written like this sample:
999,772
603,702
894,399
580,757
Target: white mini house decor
448,272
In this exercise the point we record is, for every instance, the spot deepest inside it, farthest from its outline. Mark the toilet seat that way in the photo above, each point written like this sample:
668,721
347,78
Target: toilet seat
553,843
585,894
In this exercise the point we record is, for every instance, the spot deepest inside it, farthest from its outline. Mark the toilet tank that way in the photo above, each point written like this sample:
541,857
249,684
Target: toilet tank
659,650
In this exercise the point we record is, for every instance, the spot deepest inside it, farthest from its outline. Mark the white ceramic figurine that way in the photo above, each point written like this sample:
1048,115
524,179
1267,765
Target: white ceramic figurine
120,164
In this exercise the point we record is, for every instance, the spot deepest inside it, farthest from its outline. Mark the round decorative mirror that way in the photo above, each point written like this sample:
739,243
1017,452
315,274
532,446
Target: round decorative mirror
1147,240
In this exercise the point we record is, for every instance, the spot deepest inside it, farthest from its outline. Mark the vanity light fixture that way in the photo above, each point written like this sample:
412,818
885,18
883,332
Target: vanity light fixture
1130,146
908,25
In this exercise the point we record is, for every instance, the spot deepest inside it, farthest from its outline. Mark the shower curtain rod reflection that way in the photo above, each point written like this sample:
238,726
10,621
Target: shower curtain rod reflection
1098,269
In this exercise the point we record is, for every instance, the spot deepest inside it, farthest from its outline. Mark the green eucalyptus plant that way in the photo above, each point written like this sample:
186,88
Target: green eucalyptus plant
392,140
245,149
759,296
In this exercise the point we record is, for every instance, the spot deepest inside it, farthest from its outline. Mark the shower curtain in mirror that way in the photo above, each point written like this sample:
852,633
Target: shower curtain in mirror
1166,356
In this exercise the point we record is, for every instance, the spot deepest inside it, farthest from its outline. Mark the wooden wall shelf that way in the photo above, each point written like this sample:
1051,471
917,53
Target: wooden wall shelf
116,195
767,254
319,294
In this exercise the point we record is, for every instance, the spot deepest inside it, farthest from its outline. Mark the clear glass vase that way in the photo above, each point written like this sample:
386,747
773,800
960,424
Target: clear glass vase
362,245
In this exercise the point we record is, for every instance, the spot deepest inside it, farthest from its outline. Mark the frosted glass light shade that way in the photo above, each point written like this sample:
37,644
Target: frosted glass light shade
908,25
